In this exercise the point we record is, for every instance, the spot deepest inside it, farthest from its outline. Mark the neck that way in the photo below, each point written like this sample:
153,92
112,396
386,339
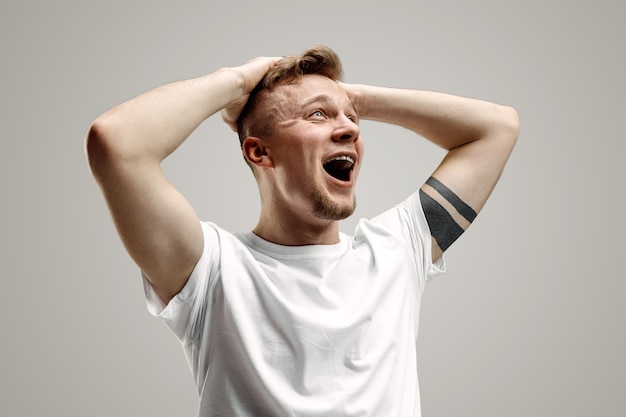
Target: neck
294,231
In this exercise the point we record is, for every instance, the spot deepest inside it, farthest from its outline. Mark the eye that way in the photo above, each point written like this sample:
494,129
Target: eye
353,118
318,114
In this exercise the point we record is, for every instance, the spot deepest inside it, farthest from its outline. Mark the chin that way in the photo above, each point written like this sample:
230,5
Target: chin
324,207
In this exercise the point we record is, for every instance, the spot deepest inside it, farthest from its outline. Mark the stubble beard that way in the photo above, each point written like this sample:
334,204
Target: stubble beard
326,208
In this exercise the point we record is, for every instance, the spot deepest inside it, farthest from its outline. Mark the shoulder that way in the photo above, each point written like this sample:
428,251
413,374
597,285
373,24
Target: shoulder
405,222
405,219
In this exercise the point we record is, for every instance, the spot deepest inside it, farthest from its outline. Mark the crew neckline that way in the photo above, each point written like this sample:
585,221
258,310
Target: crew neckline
284,251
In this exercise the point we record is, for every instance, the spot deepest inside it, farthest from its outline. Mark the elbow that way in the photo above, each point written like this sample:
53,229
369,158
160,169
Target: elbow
510,123
100,145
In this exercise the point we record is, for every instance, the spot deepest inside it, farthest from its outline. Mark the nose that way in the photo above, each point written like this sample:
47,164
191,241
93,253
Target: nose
346,130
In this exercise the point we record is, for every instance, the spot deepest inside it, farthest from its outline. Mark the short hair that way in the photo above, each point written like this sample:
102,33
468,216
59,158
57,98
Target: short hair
317,59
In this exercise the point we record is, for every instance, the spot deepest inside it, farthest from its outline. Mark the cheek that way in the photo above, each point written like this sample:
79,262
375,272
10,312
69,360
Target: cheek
300,171
360,149
360,145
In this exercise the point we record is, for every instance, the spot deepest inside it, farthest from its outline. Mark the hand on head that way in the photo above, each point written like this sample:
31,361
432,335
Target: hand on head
251,73
352,90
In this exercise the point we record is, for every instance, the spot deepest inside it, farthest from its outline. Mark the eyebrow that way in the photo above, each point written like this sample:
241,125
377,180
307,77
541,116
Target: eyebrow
326,99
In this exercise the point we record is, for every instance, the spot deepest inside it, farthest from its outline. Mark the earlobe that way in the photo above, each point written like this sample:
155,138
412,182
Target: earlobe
255,152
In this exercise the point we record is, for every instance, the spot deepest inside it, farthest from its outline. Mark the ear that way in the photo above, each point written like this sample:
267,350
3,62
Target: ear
256,152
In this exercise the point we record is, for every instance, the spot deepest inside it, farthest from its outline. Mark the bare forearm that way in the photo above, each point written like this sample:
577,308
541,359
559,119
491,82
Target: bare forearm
155,123
447,120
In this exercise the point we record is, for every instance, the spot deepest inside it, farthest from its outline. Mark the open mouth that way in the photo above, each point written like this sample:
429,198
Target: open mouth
339,167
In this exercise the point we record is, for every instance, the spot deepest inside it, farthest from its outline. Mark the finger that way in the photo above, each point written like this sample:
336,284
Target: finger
255,69
227,118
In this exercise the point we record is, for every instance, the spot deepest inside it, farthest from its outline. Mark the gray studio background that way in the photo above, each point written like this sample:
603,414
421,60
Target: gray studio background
529,319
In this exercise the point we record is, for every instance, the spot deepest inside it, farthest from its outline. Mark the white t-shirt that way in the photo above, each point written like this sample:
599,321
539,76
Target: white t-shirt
321,330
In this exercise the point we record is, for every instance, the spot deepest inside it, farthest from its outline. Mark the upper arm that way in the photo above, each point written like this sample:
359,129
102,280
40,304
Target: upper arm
157,225
460,186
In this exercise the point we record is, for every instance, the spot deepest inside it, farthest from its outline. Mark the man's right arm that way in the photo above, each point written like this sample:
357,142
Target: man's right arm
125,147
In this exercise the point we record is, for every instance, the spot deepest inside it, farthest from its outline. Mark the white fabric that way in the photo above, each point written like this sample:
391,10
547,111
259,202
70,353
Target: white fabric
323,330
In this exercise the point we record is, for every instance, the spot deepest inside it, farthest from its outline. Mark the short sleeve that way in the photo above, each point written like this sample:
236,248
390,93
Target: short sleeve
421,232
183,311
408,219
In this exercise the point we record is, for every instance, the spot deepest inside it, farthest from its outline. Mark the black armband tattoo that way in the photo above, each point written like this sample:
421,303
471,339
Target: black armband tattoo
442,226
460,206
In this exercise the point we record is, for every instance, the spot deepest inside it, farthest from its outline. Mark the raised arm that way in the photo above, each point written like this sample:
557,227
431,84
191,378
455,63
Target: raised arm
478,135
125,147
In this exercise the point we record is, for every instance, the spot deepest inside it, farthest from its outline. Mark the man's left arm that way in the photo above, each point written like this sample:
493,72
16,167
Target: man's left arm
479,137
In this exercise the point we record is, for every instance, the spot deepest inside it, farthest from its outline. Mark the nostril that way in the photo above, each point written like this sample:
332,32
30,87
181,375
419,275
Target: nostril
348,131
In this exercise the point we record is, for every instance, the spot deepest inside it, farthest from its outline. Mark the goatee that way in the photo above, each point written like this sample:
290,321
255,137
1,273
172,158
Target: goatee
326,208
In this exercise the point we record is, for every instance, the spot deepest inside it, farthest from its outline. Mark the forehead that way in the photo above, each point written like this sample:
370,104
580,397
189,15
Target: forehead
309,90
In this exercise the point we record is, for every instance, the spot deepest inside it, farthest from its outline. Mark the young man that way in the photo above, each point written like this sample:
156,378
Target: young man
296,318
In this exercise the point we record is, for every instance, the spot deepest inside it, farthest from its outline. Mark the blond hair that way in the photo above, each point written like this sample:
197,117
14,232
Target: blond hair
318,59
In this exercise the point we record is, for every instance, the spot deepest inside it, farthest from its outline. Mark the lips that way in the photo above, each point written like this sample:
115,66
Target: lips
339,167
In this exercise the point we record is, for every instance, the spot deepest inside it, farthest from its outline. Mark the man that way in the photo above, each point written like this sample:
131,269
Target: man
296,318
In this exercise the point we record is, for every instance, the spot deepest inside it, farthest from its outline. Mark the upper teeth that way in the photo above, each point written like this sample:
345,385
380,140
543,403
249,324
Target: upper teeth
342,158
